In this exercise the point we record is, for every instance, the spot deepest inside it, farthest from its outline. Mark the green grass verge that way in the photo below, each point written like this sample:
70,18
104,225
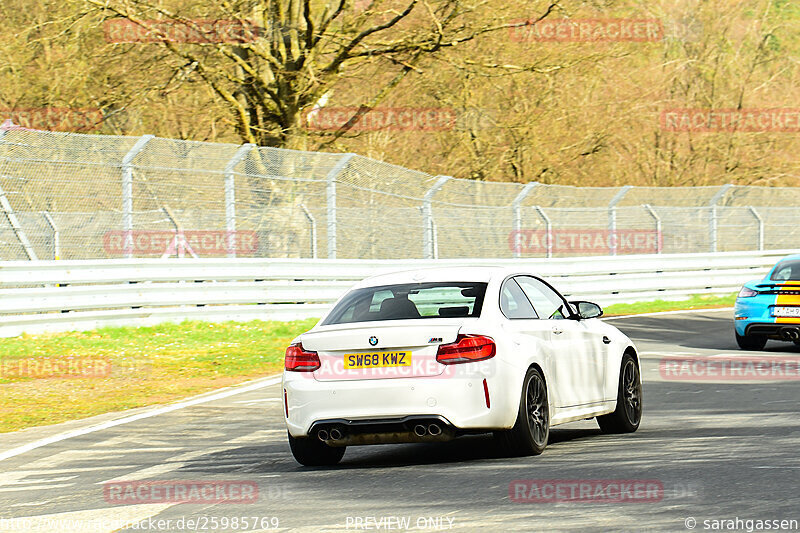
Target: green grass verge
138,366
122,368
700,301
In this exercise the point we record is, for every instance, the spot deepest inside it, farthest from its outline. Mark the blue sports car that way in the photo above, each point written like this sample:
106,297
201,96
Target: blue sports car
769,308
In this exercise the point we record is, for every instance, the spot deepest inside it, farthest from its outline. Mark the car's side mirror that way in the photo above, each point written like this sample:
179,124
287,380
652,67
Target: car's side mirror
587,310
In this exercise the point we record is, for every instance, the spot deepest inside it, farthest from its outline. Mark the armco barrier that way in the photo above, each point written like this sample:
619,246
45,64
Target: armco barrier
46,296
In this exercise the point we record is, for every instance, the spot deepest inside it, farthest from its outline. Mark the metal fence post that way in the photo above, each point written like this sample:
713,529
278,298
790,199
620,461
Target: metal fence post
427,217
127,193
331,200
713,229
11,216
612,219
435,239
313,222
515,206
56,235
657,219
179,241
548,229
760,220
230,196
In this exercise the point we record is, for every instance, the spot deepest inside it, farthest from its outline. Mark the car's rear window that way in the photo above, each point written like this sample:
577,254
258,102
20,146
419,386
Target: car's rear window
410,301
787,271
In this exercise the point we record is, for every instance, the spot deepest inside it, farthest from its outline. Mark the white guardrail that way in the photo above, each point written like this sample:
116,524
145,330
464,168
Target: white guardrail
48,296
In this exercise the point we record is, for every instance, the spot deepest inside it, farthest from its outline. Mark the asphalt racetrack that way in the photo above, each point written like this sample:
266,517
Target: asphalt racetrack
709,452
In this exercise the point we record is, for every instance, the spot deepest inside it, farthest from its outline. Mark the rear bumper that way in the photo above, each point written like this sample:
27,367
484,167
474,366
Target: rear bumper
770,330
459,402
413,428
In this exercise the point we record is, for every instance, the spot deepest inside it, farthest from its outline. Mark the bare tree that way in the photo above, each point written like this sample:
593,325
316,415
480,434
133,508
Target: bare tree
292,52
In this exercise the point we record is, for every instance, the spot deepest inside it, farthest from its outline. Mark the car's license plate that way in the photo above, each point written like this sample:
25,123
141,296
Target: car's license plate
376,359
786,312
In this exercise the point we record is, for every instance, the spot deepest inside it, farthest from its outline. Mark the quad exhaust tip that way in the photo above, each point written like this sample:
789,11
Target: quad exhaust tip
336,435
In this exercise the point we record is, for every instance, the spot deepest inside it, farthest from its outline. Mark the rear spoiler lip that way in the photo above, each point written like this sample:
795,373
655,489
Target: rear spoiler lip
768,285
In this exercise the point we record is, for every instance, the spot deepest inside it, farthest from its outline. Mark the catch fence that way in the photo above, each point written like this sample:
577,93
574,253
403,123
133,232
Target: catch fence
74,196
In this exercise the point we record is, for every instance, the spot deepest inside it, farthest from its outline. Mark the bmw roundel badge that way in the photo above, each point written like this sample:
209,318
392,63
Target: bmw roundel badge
373,341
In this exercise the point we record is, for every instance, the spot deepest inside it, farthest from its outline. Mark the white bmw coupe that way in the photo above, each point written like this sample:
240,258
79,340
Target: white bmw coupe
432,354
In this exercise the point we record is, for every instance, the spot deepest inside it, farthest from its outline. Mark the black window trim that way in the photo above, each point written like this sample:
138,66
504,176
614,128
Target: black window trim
477,309
780,265
572,315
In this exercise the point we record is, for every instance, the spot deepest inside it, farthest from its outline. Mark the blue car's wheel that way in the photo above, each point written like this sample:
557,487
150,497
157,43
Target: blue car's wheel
751,342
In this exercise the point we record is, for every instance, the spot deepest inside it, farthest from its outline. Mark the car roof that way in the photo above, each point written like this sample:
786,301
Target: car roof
435,274
793,257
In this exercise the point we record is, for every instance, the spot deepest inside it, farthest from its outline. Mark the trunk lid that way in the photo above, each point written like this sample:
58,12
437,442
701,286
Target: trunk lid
380,350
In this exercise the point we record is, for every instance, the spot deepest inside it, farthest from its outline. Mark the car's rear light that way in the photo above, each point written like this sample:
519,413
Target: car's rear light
300,360
486,394
466,349
747,292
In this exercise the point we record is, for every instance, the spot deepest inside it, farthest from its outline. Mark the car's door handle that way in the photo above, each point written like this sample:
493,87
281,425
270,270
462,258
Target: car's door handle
606,340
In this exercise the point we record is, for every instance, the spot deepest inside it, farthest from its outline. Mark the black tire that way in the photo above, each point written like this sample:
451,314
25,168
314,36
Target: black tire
628,414
313,452
753,343
532,429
